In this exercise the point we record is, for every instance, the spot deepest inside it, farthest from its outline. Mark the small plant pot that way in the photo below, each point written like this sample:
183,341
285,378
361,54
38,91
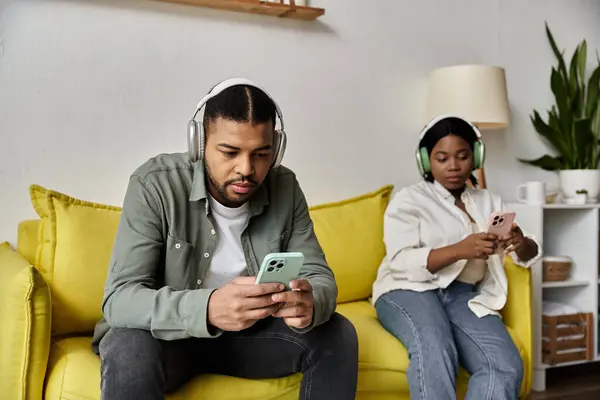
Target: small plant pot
580,198
573,181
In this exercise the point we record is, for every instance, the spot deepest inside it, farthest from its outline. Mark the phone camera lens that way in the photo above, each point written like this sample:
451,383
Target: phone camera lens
270,269
496,218
501,220
273,262
279,265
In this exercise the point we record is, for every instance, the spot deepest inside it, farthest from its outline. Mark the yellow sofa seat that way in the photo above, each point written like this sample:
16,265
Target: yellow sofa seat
350,231
74,374
74,371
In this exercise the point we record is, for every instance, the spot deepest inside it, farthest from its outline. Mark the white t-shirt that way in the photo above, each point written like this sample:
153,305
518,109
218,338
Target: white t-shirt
228,258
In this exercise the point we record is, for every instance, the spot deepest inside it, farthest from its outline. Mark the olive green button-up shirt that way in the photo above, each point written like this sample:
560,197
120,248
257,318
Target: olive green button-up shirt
166,238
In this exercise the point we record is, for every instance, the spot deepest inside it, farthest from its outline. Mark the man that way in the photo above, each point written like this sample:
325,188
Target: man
181,297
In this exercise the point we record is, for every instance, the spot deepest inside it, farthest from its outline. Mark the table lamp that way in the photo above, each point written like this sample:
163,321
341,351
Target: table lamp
476,93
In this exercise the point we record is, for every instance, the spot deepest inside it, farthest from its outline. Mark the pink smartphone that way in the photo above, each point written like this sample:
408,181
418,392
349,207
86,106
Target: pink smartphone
501,222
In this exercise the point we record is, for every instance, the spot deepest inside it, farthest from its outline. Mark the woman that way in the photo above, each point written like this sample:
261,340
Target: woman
442,282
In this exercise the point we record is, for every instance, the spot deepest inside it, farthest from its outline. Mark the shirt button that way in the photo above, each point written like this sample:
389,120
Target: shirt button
177,246
199,282
212,232
206,255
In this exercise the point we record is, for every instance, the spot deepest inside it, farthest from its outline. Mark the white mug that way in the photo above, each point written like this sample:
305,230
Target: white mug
535,193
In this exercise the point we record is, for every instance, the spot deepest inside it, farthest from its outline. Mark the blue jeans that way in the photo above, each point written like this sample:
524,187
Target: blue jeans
440,331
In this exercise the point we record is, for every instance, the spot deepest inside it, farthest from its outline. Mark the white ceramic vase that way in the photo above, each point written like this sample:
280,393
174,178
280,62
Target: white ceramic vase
572,180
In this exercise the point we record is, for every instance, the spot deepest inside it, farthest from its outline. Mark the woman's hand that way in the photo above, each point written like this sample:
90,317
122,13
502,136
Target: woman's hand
515,241
476,246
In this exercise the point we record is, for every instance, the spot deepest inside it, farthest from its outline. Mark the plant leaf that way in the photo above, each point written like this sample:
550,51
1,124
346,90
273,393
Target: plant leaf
595,121
554,136
546,162
582,60
593,91
561,62
574,74
592,110
595,128
573,127
553,120
583,136
559,88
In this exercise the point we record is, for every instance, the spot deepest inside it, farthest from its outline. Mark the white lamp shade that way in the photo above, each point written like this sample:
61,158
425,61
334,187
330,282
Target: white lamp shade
474,92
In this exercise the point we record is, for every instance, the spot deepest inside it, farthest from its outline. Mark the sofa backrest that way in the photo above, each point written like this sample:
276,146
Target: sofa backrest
72,241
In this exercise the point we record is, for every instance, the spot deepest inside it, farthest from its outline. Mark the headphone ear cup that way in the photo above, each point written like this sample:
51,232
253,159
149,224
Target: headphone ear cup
201,139
279,146
478,155
425,164
193,145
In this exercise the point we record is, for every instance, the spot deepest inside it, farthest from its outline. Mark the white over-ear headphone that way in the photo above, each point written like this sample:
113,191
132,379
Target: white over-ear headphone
197,136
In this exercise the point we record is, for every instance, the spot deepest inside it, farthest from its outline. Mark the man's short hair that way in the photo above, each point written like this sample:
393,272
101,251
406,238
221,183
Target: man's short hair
240,103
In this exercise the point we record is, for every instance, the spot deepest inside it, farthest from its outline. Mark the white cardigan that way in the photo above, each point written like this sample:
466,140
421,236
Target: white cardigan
423,217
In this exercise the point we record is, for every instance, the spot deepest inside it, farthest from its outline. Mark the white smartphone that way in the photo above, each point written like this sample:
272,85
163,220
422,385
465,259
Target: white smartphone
280,268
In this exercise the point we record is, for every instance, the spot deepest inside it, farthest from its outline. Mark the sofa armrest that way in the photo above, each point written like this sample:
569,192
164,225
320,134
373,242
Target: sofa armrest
25,312
518,312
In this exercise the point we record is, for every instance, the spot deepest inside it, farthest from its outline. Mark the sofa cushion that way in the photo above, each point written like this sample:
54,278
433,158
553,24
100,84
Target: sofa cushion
27,239
74,373
383,360
76,238
351,234
24,327
74,370
75,244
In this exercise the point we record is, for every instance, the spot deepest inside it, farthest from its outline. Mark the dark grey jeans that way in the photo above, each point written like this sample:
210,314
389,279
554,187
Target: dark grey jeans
135,365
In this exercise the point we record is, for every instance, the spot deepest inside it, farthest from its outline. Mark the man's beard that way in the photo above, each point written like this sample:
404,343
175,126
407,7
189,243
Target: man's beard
225,199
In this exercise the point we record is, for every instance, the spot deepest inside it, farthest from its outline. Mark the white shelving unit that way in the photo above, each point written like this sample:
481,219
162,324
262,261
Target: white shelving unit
570,230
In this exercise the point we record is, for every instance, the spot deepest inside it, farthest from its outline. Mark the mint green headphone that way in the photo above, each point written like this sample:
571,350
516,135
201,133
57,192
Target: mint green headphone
423,162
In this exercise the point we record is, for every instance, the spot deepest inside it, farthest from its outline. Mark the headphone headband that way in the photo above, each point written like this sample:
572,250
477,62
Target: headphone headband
422,156
444,116
226,84
196,134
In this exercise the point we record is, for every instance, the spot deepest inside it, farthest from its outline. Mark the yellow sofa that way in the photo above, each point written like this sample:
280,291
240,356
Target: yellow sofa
51,288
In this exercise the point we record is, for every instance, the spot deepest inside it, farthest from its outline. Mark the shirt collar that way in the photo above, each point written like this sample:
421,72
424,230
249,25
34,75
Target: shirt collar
445,193
198,184
259,200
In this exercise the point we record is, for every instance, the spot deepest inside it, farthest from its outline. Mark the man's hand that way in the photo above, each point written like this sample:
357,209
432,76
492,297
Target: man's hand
297,305
242,302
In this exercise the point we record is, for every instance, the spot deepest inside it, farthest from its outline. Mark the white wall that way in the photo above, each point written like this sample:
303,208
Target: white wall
91,89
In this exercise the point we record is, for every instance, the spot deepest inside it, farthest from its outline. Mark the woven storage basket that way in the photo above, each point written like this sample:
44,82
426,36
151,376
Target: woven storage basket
557,268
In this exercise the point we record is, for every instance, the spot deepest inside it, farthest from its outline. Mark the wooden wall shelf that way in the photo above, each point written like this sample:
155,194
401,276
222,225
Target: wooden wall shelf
258,7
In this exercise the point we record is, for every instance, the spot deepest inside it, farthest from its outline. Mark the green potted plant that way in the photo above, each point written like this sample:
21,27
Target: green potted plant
572,127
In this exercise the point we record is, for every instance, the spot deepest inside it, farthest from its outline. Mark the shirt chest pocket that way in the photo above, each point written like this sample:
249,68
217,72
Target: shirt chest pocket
178,263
